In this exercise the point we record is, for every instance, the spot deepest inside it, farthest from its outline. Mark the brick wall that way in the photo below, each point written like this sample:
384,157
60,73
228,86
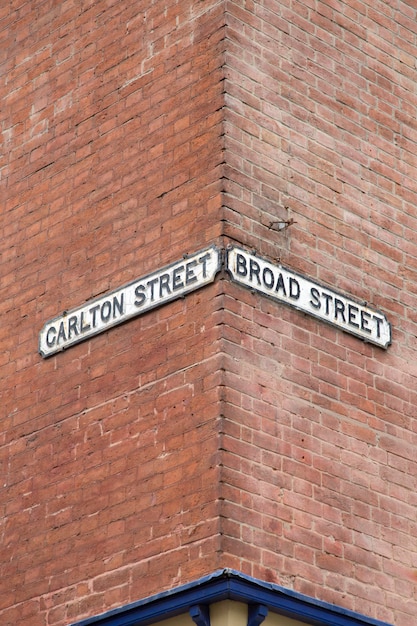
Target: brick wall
320,430
112,148
223,430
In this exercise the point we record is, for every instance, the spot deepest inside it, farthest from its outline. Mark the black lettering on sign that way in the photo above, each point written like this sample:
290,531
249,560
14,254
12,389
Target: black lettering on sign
72,326
352,315
295,289
378,321
164,284
315,298
61,333
190,277
203,259
268,277
177,282
241,265
84,326
105,311
151,283
254,270
281,285
118,305
328,299
339,307
51,337
140,296
93,312
365,319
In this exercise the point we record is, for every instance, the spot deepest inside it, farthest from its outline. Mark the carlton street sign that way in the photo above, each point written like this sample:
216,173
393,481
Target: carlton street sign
284,285
96,316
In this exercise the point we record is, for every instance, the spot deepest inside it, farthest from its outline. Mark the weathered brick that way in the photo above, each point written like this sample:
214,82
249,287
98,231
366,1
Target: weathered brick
131,137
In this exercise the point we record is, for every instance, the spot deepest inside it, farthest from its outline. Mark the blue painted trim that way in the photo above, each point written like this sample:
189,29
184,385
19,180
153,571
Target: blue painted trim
200,614
227,584
256,614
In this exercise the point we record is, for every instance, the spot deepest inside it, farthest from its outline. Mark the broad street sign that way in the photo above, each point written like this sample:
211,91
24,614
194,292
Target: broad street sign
284,285
96,316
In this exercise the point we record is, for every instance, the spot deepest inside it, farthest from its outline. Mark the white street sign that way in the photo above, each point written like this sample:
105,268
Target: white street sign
330,306
96,316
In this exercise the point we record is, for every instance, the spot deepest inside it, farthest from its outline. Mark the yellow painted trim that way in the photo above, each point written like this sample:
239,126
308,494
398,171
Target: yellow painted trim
229,613
180,620
273,619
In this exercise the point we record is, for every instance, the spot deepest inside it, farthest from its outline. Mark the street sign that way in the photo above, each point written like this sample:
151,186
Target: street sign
98,315
328,305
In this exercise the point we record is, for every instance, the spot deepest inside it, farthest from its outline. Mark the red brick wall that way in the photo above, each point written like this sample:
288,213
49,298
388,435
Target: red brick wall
222,430
111,126
320,437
